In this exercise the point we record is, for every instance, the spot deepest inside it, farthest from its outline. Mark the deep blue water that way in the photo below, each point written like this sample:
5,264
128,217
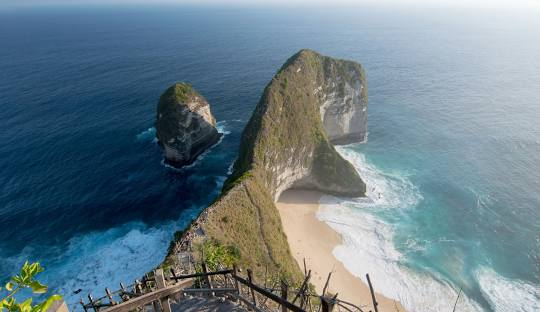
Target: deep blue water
454,108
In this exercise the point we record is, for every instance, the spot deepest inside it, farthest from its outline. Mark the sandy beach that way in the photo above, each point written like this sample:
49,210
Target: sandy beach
314,240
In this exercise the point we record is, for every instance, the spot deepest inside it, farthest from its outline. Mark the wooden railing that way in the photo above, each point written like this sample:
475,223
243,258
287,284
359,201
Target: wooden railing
158,290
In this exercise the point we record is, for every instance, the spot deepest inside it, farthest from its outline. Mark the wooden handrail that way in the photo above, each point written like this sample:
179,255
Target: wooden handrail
149,298
180,277
270,295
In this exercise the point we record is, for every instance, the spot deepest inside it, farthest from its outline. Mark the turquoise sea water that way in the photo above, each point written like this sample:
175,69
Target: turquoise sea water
454,148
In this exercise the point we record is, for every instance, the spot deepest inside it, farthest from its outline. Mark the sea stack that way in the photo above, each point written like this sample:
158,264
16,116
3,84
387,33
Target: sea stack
185,127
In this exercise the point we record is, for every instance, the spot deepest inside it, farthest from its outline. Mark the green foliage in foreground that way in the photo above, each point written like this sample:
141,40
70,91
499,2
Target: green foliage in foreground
216,254
25,280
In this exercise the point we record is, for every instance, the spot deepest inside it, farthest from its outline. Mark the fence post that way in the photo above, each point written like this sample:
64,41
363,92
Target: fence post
124,296
173,272
108,292
84,307
91,299
326,284
160,283
138,287
207,277
284,293
375,304
326,305
236,284
250,279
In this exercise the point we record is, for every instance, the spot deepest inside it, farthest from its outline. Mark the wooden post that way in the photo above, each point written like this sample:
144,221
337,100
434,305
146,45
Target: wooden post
326,284
146,281
83,306
91,299
284,293
303,288
455,304
207,277
372,294
265,275
173,273
160,283
124,296
108,292
138,287
236,285
326,304
250,279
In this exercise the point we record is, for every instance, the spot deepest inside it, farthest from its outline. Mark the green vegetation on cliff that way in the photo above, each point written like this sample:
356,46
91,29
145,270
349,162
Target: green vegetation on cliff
169,105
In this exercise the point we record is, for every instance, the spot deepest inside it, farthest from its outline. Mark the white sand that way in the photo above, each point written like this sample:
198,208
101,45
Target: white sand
314,240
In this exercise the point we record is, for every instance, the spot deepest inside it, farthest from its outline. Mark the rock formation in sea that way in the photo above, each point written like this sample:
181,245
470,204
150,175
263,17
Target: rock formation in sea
312,101
185,127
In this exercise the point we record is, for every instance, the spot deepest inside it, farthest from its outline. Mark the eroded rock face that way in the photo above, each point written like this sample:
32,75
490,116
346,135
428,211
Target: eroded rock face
311,103
343,101
185,127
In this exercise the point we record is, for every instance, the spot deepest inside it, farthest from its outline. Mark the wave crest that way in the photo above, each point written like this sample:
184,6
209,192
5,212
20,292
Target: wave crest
368,245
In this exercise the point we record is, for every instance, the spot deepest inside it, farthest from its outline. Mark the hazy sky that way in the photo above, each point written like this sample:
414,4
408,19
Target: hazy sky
454,3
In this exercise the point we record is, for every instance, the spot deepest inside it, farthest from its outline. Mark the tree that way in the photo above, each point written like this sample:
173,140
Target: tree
26,279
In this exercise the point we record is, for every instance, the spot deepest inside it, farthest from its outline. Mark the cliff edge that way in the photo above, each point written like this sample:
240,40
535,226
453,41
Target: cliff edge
312,100
185,127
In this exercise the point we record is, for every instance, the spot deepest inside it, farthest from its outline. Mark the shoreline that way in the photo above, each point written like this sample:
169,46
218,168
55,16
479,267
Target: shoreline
314,240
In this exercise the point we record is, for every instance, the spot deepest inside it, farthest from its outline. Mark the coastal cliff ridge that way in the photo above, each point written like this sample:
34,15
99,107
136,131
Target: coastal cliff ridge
287,143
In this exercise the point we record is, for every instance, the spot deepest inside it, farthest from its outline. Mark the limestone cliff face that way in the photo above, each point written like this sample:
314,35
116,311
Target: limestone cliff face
185,126
286,145
343,100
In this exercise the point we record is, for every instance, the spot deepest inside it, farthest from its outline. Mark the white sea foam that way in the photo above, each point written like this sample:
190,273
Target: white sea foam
505,295
221,127
102,259
368,245
148,135
231,167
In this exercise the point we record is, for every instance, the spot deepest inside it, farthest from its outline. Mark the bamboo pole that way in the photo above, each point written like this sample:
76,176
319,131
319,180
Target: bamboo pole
375,304
284,293
327,283
250,279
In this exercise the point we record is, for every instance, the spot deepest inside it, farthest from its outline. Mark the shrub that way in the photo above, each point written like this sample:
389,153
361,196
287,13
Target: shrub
24,280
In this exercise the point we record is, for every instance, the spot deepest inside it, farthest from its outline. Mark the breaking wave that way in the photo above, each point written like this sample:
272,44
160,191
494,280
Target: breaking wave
505,295
368,245
222,128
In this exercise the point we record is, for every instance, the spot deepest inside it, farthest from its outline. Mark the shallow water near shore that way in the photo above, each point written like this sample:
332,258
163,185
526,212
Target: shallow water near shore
453,148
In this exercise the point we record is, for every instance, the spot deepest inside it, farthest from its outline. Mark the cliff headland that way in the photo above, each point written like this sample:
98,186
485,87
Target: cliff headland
312,101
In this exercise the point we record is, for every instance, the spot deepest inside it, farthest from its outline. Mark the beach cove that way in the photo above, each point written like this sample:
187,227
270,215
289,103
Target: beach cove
313,240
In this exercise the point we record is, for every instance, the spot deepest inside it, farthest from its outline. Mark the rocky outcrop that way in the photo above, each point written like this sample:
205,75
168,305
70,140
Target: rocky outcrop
343,101
286,144
309,103
185,126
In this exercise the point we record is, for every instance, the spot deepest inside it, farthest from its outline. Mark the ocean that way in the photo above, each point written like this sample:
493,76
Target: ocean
452,161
